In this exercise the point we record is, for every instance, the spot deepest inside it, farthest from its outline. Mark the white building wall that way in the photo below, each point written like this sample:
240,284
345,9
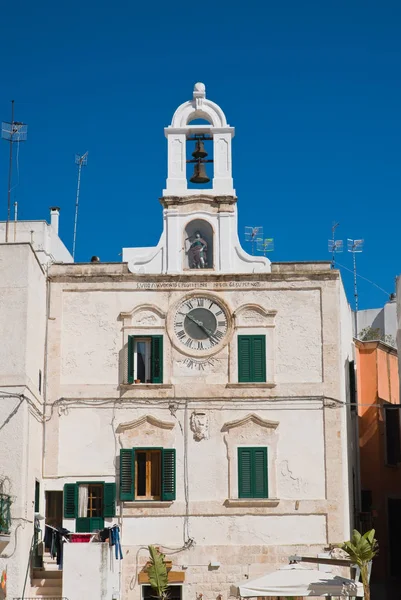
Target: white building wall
90,571
384,318
310,343
22,322
42,236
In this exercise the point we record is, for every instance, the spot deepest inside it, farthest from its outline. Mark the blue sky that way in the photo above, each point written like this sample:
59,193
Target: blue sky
313,89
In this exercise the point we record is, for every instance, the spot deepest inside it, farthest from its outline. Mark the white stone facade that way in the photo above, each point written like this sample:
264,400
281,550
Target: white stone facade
199,406
297,414
42,236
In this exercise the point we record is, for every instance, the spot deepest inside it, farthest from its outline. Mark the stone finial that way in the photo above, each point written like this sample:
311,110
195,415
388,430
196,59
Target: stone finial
199,90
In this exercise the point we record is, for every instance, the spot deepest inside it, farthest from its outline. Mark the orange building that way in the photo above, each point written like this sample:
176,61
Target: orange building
380,455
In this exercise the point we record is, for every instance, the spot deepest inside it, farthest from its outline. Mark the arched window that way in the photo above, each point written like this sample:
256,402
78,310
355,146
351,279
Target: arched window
198,244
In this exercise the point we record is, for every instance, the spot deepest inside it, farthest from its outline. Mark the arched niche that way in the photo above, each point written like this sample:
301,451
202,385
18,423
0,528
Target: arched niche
198,244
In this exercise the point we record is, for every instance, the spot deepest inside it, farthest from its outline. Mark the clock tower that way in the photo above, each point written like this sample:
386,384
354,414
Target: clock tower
196,396
200,231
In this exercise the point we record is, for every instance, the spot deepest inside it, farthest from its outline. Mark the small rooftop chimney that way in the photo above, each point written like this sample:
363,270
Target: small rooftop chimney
54,217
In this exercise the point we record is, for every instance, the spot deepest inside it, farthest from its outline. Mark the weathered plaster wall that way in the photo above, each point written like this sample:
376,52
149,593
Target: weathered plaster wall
41,236
309,344
22,322
90,571
22,316
21,442
378,383
92,319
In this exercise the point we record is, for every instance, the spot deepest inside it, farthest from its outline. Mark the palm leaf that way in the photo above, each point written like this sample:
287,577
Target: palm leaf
362,549
157,571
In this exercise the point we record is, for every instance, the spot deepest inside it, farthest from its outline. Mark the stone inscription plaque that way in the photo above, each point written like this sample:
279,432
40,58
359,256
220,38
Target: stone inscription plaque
190,285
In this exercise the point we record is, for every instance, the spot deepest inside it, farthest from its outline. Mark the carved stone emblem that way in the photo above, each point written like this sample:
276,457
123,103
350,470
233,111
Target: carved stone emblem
199,425
254,316
146,319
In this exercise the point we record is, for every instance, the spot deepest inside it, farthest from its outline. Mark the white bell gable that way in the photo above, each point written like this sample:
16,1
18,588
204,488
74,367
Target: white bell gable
200,229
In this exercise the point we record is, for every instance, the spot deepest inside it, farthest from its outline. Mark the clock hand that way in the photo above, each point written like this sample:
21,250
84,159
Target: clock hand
208,331
201,325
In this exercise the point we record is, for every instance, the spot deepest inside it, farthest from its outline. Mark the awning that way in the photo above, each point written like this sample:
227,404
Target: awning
295,580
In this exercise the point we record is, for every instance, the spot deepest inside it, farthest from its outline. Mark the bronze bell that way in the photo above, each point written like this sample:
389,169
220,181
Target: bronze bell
199,175
200,151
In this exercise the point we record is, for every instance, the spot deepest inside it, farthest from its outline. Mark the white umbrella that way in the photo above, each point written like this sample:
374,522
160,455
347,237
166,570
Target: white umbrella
295,580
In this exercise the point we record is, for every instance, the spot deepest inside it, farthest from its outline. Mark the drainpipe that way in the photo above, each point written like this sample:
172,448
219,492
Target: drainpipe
44,388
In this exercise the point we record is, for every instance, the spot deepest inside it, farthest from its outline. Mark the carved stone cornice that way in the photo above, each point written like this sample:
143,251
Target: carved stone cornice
251,418
221,203
142,420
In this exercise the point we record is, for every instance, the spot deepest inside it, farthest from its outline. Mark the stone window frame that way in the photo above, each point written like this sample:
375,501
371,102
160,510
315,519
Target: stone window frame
145,320
253,319
251,431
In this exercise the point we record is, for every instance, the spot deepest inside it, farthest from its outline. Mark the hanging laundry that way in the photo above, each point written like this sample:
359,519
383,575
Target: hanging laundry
114,540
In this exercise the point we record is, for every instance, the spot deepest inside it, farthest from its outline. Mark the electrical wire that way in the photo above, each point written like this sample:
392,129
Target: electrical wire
361,277
15,543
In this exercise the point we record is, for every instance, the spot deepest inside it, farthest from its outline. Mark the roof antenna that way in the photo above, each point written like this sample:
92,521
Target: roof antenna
252,234
81,161
265,245
355,246
335,245
13,132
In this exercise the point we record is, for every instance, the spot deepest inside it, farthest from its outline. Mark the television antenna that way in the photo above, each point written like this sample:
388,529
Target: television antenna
355,246
252,234
265,245
81,161
335,245
13,132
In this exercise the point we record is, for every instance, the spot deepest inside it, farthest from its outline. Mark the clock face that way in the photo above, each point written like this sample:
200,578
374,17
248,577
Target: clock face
200,324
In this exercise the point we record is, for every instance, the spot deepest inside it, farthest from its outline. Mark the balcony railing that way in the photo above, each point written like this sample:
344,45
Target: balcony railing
5,513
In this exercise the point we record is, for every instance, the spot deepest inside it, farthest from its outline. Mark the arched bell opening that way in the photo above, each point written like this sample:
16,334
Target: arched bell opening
200,119
198,245
199,161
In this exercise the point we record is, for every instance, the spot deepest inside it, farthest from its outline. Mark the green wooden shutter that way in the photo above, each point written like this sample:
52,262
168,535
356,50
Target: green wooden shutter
109,500
251,358
37,496
83,525
244,358
245,472
88,524
252,473
127,474
130,358
157,358
259,474
70,501
258,358
168,474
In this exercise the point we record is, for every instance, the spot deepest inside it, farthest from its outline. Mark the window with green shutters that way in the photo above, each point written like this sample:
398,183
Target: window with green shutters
145,359
251,358
252,473
147,474
98,502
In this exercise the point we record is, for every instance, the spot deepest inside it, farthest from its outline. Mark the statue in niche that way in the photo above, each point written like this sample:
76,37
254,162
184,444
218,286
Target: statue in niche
197,253
199,425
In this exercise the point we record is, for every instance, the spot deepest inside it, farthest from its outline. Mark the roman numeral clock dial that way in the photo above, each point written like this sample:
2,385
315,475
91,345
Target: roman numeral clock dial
200,325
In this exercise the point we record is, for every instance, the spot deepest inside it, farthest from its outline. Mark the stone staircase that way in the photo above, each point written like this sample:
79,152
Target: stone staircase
47,582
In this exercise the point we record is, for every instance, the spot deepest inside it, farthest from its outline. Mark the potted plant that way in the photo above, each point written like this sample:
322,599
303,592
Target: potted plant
362,549
157,571
137,381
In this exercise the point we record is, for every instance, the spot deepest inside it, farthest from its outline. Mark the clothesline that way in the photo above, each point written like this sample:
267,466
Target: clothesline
55,529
